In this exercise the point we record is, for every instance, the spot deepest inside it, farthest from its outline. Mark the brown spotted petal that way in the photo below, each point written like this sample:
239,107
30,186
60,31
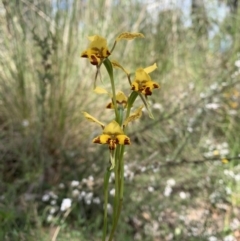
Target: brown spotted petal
122,140
149,86
102,139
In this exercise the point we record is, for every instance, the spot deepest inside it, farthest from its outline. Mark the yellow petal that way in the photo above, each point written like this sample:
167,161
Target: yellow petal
102,139
99,44
141,75
225,161
129,36
115,64
122,140
91,38
97,41
92,119
135,86
113,128
150,69
137,114
121,98
100,90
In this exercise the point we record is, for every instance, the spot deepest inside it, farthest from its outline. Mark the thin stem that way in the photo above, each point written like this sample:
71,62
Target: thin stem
116,197
119,183
106,182
109,69
116,221
113,47
121,172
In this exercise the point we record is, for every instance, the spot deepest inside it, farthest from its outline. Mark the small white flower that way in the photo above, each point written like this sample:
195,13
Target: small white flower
190,129
183,195
229,238
88,198
109,208
112,177
82,195
237,63
202,95
25,123
232,112
91,178
45,197
66,204
96,200
49,218
126,167
237,177
229,173
214,86
167,191
112,192
220,181
228,190
84,180
224,145
75,193
191,86
223,152
53,210
61,186
171,182
151,189
157,106
212,106
235,224
74,183
212,238
53,202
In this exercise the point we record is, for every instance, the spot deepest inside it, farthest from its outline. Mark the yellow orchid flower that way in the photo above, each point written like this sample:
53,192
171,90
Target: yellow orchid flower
121,100
112,135
97,50
143,82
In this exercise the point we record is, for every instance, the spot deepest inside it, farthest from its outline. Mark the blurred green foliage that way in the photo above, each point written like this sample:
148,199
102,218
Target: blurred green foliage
177,188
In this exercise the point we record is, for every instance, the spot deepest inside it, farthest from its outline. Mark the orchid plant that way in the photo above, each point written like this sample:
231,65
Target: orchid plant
114,133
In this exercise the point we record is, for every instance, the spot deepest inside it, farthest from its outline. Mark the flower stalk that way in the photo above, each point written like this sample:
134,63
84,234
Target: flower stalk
113,133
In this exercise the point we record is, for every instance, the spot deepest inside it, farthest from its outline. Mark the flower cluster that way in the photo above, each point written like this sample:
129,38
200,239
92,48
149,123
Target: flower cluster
97,53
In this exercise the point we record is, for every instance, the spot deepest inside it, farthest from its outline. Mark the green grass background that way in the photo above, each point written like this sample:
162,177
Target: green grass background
45,141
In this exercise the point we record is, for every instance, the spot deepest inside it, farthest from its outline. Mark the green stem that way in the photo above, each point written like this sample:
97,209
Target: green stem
119,179
113,47
122,172
116,197
106,182
108,65
115,223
